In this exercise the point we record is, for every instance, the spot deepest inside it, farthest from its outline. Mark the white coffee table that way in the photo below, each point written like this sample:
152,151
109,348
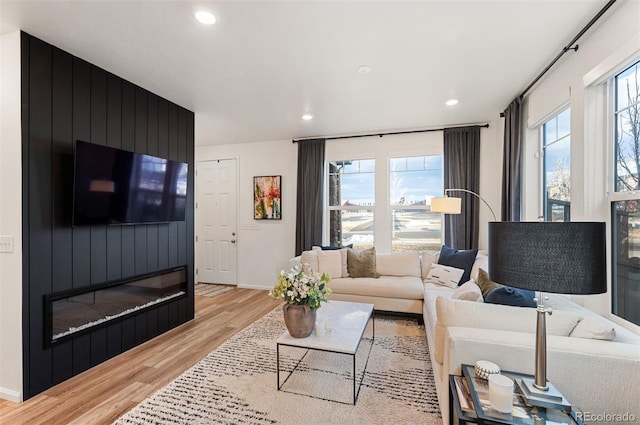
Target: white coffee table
348,323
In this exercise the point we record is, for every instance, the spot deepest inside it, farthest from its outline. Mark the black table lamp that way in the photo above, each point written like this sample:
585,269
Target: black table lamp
567,258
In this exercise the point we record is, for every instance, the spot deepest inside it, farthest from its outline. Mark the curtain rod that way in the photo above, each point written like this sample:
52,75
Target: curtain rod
388,133
569,46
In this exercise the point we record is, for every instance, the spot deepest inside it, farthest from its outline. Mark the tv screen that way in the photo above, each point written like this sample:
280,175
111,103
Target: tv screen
113,186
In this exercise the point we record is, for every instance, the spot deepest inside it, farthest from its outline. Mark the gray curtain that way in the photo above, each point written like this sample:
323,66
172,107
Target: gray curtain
309,207
512,161
462,171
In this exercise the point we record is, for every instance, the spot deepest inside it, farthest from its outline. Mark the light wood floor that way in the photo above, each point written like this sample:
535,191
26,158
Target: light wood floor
102,394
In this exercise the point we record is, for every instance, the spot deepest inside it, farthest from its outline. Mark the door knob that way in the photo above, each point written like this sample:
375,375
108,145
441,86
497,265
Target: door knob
233,241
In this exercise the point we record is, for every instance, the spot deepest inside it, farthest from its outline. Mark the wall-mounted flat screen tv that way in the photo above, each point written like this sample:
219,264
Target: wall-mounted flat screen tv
114,186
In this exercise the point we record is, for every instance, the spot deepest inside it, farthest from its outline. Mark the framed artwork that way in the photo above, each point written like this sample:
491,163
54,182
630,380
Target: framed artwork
267,202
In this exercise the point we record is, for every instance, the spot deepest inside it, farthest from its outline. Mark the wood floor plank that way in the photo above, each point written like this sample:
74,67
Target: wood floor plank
105,392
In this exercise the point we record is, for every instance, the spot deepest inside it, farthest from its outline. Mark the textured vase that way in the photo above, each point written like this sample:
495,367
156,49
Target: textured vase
299,319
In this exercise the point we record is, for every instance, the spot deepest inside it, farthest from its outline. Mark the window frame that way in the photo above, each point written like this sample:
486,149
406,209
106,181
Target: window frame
326,220
391,208
613,195
543,155
381,150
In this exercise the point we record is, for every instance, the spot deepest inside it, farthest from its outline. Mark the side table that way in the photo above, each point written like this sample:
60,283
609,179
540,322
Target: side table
474,408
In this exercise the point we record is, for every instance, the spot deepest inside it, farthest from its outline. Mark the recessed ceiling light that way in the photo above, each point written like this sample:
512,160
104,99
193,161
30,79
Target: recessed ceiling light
307,117
364,69
205,17
451,102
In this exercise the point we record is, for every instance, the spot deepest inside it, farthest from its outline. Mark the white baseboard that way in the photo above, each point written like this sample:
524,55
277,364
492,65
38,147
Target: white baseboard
7,394
264,288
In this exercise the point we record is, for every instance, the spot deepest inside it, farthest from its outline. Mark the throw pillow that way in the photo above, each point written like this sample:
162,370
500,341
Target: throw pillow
460,259
486,285
426,259
330,262
507,295
334,248
361,262
468,291
309,261
592,328
444,275
343,257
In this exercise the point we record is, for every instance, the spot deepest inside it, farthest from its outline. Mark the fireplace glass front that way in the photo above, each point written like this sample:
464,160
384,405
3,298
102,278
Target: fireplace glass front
74,312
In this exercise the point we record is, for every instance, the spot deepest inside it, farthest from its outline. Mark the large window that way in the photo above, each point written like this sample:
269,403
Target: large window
413,181
351,202
625,199
556,148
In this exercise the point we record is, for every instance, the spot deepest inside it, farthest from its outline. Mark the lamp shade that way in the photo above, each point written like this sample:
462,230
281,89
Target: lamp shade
446,204
568,258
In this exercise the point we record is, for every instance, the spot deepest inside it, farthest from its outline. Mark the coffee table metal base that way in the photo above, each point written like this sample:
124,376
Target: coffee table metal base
356,391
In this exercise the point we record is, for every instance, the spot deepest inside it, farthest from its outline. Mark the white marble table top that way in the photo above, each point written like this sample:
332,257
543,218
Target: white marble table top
348,322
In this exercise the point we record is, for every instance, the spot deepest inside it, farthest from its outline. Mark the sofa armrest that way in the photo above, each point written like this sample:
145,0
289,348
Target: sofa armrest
595,376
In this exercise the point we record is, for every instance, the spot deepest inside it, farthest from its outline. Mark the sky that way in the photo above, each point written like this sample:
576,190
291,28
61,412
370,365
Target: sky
416,179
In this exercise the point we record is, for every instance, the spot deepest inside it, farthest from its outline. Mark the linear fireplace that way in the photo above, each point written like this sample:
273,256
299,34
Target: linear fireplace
69,314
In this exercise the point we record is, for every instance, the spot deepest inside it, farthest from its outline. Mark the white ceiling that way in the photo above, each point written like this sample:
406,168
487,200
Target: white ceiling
252,75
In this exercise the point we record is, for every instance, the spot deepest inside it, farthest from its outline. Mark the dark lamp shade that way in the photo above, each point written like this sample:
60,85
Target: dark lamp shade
567,258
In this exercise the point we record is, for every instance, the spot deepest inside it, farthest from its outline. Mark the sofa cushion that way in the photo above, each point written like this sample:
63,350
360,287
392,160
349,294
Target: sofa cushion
514,297
404,287
594,328
398,264
426,259
330,262
444,275
468,291
486,285
461,259
459,313
361,262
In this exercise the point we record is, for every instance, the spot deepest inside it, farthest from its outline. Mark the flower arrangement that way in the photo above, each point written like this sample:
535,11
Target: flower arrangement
298,288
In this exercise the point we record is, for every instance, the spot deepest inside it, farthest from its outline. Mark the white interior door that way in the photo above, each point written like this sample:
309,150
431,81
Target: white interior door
216,218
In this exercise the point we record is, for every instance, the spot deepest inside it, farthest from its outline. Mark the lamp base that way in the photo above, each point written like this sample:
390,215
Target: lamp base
551,398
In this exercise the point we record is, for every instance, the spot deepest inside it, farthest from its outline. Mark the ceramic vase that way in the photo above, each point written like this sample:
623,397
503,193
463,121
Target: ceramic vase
299,319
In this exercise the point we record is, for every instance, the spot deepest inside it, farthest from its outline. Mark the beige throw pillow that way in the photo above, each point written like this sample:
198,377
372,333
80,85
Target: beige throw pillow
309,261
330,262
362,262
343,257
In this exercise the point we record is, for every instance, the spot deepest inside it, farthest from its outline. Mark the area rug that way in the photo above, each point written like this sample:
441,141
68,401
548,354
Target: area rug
236,383
211,289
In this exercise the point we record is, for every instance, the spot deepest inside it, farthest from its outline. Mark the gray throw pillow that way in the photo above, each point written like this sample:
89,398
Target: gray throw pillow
362,262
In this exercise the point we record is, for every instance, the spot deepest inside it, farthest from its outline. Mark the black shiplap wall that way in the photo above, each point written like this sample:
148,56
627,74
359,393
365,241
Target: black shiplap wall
65,99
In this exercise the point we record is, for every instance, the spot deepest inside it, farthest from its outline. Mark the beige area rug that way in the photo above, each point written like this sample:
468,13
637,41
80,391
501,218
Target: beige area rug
211,289
236,383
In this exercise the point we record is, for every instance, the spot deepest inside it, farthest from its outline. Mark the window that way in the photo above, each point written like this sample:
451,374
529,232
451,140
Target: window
351,202
556,174
625,199
413,181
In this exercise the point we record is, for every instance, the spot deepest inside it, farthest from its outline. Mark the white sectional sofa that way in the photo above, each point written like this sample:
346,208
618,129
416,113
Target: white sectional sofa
600,377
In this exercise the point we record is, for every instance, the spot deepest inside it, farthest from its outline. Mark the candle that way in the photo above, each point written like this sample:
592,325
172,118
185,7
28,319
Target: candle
500,393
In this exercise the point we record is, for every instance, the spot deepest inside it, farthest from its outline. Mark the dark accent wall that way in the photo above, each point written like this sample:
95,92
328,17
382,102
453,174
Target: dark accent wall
65,99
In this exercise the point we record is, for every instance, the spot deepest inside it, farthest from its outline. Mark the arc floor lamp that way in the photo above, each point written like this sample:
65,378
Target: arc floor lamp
453,205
